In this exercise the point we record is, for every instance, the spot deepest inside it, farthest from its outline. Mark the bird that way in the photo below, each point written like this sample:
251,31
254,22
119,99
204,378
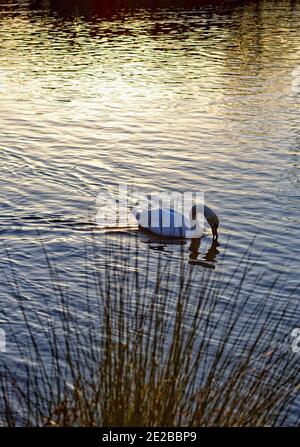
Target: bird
172,223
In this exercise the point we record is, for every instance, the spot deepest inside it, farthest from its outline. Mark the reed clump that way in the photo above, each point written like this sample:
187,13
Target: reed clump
153,345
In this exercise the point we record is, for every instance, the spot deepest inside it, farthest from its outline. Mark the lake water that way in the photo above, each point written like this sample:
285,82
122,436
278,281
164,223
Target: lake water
200,97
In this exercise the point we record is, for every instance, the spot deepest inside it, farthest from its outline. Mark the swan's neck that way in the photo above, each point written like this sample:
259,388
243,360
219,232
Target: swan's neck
196,228
195,210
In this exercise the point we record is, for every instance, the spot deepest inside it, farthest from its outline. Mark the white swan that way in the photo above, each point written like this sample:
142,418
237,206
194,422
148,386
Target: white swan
171,223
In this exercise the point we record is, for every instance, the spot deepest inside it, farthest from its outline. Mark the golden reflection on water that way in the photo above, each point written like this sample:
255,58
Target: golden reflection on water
172,99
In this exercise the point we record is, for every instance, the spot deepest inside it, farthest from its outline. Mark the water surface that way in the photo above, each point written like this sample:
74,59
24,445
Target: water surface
198,97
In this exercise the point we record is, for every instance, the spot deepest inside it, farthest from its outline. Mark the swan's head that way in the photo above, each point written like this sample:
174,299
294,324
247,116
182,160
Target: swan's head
212,220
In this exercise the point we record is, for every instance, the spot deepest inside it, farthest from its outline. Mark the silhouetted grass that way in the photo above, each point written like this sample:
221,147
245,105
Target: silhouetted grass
169,346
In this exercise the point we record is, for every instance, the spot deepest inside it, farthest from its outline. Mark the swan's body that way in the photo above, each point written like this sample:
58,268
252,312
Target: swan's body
167,222
171,223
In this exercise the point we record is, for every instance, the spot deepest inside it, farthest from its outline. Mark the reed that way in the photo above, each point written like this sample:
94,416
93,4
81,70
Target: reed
172,345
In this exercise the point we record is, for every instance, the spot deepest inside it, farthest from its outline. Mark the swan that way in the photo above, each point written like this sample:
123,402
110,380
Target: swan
171,223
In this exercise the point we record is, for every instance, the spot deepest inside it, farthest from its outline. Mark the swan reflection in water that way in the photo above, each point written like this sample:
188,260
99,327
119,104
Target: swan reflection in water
210,256
207,260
